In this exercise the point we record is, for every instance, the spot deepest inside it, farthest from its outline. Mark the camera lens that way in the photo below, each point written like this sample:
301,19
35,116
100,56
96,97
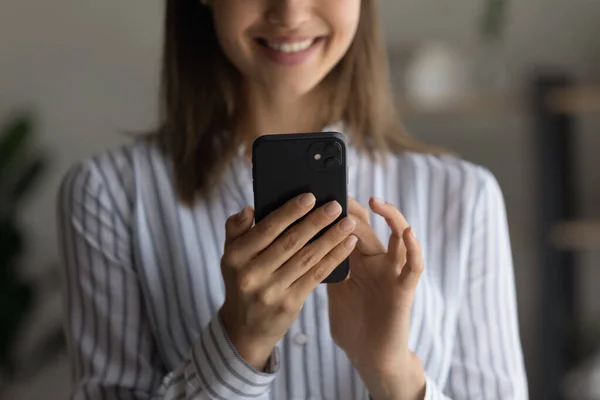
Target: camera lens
333,162
333,149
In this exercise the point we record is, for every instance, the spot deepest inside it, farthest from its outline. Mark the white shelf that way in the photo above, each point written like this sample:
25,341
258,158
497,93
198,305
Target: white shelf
467,105
578,100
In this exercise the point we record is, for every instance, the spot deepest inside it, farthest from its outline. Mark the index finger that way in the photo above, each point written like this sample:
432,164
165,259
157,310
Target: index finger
397,224
261,235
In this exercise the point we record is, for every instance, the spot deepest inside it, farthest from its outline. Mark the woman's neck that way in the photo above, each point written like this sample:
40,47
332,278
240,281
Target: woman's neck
267,114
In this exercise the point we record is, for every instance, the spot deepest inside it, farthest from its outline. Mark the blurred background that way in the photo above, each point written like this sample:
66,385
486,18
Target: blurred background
512,85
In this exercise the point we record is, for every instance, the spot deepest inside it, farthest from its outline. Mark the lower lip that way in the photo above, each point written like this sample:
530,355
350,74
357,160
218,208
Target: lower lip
290,59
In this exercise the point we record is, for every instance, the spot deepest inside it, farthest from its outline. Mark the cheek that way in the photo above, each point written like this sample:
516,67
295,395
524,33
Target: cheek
226,34
345,16
231,22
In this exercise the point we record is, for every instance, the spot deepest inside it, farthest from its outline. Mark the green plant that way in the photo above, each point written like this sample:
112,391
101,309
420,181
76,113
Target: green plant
493,19
21,167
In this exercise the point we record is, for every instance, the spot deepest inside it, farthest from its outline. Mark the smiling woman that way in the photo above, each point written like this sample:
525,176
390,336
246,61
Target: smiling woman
310,37
219,71
172,292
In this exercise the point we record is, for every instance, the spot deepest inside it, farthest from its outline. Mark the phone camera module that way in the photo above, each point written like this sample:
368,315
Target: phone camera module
325,155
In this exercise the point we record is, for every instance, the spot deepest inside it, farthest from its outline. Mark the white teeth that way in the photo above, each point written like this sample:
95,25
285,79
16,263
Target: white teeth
291,47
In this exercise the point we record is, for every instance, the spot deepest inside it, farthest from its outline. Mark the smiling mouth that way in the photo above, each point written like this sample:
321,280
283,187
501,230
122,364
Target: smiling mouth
288,47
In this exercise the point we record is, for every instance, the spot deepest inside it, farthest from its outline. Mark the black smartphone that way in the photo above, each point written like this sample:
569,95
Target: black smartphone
287,165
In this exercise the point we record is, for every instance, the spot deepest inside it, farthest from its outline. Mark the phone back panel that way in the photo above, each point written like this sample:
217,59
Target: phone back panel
285,166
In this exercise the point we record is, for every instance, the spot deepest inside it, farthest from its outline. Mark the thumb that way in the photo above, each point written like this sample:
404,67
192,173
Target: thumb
238,224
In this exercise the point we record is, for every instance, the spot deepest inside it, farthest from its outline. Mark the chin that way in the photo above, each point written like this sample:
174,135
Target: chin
291,85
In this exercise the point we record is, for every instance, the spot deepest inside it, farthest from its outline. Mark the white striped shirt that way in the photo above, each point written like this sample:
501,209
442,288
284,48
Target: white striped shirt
143,285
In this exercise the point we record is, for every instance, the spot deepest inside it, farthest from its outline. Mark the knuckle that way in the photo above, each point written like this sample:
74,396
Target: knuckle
229,260
417,361
314,221
290,240
289,305
320,272
246,282
230,223
265,227
226,264
419,266
334,236
308,259
266,297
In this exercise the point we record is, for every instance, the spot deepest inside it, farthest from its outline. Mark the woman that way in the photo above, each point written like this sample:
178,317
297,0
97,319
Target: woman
145,228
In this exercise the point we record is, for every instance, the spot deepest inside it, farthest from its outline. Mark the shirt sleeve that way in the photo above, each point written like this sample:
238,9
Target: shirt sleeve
113,352
487,360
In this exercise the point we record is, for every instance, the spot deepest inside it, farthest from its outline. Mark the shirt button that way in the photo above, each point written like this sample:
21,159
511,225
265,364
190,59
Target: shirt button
300,339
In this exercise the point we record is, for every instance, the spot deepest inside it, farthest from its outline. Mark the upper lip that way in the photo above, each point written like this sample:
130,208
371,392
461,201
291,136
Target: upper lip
287,39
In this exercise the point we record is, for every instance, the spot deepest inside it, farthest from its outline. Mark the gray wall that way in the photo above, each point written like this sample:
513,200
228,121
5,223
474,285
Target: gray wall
90,69
548,32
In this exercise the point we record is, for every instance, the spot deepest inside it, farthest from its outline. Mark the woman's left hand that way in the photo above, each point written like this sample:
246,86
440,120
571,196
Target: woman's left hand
370,311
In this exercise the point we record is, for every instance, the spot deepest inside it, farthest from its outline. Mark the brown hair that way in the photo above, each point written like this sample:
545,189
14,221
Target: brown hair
200,96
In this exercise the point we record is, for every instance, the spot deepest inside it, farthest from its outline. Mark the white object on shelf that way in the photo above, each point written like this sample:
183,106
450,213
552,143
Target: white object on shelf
435,75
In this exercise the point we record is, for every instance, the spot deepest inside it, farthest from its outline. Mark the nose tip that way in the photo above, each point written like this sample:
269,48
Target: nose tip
288,13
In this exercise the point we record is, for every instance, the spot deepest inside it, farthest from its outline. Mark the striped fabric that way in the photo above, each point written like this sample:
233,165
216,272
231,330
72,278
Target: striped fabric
143,285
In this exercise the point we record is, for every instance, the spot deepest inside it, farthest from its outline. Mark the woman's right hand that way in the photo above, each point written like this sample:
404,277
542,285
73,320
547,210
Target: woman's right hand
268,275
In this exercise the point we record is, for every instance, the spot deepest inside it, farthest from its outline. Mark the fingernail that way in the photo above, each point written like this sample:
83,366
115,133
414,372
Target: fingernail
333,208
351,242
347,224
377,200
243,215
306,199
412,233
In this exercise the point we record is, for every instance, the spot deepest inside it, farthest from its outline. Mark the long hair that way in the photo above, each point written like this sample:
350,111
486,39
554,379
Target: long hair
201,97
